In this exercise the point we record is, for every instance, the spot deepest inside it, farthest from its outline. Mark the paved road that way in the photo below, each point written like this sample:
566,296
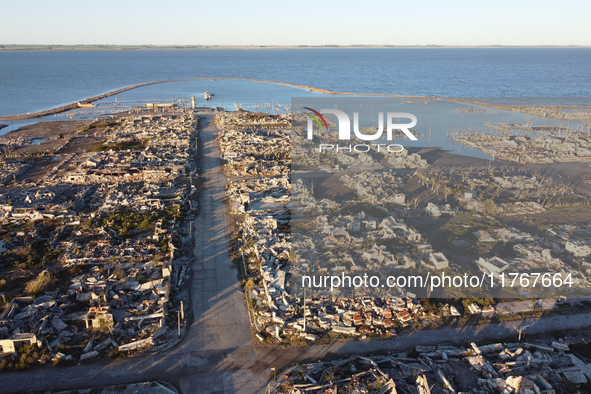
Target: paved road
220,339
218,355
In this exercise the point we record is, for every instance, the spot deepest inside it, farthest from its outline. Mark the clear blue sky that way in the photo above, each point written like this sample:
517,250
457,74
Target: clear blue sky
320,22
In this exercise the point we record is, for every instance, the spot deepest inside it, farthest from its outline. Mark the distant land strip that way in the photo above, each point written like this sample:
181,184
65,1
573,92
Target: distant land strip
106,47
89,100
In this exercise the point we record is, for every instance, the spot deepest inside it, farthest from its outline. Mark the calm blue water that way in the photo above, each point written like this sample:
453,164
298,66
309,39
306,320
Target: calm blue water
31,81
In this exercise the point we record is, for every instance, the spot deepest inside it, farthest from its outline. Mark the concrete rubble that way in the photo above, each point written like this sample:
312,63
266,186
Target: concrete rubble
507,368
524,144
108,227
337,242
255,151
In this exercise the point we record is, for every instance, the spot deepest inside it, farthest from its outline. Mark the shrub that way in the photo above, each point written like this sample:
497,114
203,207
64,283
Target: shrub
119,273
249,284
25,349
117,354
104,326
42,282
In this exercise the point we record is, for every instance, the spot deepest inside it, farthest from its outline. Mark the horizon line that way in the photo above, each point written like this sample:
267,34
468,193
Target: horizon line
13,47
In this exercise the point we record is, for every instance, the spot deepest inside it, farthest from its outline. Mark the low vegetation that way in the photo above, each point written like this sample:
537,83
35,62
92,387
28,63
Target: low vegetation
121,145
26,356
43,282
126,221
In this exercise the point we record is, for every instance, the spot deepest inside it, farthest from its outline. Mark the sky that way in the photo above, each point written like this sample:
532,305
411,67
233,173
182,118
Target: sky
304,22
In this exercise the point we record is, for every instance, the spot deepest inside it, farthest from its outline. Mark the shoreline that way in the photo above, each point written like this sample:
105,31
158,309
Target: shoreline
67,107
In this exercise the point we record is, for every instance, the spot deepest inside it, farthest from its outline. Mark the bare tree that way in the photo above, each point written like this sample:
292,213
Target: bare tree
521,329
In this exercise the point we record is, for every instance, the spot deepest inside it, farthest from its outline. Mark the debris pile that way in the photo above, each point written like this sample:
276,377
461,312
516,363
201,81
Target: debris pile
507,368
98,244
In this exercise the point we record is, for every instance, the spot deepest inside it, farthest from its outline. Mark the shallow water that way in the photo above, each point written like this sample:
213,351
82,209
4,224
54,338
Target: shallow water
31,81
37,80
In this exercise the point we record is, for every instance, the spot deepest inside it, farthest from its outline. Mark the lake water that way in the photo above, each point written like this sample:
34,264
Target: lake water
37,80
31,81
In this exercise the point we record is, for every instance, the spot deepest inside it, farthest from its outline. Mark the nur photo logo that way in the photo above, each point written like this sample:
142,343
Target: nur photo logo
344,124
